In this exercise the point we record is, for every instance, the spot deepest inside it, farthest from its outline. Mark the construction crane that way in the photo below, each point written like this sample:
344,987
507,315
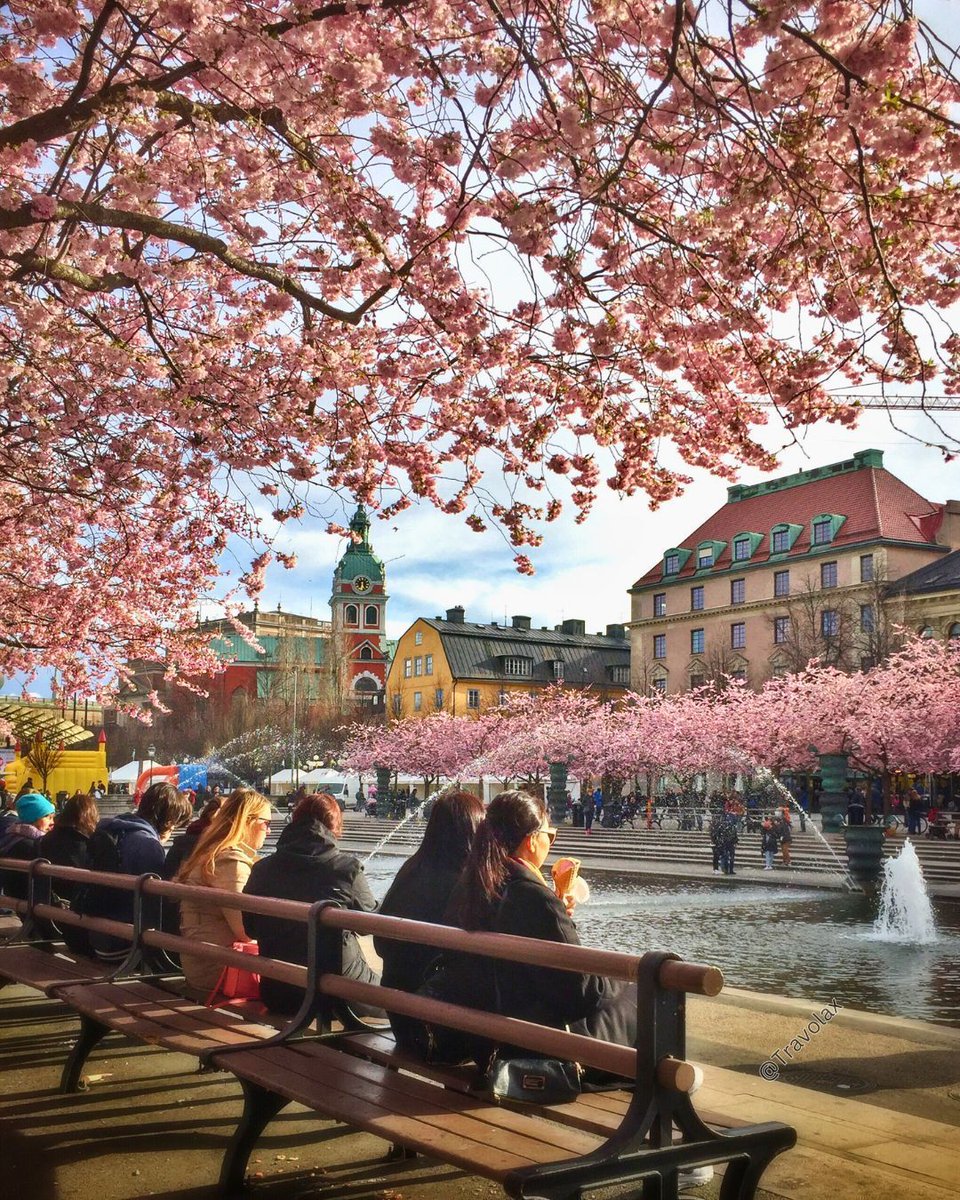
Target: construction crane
927,403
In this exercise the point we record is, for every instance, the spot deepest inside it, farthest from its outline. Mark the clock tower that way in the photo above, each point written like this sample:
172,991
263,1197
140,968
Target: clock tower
359,604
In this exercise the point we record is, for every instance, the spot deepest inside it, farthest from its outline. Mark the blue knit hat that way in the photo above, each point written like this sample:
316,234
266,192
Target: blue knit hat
32,806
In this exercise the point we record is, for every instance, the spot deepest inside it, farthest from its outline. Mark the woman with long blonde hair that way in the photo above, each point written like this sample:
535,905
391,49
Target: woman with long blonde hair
222,858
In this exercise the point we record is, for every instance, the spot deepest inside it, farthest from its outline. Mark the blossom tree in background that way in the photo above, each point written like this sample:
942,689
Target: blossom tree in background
264,257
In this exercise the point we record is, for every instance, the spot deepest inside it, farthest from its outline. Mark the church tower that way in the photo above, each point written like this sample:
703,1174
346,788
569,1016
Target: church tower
359,605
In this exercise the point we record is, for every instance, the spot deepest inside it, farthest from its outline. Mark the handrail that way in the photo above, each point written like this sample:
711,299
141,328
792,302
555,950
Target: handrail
674,975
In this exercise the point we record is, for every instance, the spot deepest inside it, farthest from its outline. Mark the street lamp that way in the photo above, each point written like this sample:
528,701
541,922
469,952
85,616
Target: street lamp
151,754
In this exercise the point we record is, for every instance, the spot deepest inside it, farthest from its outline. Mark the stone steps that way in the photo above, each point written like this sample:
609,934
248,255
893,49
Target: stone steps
940,860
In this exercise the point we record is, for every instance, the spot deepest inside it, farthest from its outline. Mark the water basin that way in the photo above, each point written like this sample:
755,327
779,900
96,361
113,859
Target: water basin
806,944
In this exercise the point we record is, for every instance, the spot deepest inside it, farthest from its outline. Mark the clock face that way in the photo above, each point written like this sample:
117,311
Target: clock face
361,584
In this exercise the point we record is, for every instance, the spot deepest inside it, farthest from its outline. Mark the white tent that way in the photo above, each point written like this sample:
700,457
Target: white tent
128,773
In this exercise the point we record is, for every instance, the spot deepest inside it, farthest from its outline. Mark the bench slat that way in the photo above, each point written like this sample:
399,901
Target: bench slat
594,1112
44,970
477,1136
157,1018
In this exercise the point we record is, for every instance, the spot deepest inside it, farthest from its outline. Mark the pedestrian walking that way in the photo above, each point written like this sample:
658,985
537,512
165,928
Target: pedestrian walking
768,843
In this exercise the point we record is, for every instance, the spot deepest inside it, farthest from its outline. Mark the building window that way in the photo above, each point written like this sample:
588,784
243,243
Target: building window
438,699
828,575
696,641
780,541
366,653
619,674
516,666
671,564
741,549
407,668
659,645
822,531
738,635
418,665
740,674
697,681
660,604
866,568
926,632
558,668
428,665
829,622
371,615
867,623
696,599
781,630
781,583
660,686
351,614
704,558
418,637
473,697
738,591
417,701
954,630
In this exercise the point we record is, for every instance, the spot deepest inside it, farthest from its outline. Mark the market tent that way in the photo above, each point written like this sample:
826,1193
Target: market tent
127,773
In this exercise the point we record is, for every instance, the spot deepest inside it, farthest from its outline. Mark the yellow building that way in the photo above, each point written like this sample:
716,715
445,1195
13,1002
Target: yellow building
787,570
455,666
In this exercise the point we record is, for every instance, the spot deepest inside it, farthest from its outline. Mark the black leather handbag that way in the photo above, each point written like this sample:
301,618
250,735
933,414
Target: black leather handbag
535,1080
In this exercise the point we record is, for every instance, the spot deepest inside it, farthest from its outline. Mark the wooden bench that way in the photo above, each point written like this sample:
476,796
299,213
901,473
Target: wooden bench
644,1136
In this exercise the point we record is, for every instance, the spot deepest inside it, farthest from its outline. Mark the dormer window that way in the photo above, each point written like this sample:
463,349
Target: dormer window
783,536
674,560
824,528
558,668
514,665
745,545
708,553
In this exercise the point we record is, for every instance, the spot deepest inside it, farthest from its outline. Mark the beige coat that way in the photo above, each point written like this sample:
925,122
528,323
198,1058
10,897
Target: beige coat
221,926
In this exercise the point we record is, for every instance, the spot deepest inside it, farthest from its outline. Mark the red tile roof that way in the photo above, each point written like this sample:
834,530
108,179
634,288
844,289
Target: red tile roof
875,503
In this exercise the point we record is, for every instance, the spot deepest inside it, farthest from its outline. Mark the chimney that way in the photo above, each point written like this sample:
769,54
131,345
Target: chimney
456,614
520,622
575,628
616,631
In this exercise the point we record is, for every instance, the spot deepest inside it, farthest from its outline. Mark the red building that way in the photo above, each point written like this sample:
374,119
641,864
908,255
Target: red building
359,607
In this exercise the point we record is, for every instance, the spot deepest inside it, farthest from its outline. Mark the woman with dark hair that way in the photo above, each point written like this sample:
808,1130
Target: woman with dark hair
308,866
424,884
503,891
68,842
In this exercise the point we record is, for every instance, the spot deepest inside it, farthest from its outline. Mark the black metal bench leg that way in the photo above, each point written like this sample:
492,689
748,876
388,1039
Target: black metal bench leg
260,1106
91,1034
742,1176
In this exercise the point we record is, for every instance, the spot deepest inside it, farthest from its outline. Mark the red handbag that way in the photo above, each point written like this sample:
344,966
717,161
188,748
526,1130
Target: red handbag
235,983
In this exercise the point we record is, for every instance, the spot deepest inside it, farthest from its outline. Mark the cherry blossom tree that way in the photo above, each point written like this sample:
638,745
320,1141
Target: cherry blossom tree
262,255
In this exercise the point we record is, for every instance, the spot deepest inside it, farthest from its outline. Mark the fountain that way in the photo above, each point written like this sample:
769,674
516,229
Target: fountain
906,914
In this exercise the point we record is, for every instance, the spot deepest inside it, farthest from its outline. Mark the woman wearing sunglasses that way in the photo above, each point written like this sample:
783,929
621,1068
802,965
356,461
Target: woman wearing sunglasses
222,858
503,890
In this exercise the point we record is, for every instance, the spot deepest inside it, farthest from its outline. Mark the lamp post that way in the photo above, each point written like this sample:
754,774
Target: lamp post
151,755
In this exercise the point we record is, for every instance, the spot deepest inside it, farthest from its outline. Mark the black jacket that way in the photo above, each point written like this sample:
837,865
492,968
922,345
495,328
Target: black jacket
420,892
528,908
67,847
307,866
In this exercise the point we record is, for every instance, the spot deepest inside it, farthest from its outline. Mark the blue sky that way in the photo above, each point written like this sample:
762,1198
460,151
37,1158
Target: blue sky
583,571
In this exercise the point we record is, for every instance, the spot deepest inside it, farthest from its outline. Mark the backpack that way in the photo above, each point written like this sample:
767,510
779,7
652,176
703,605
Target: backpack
103,849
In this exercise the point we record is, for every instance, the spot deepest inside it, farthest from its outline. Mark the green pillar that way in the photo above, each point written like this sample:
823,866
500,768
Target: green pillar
833,798
383,788
557,792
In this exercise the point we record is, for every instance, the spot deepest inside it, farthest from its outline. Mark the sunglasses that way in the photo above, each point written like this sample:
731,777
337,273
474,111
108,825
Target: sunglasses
264,821
550,832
